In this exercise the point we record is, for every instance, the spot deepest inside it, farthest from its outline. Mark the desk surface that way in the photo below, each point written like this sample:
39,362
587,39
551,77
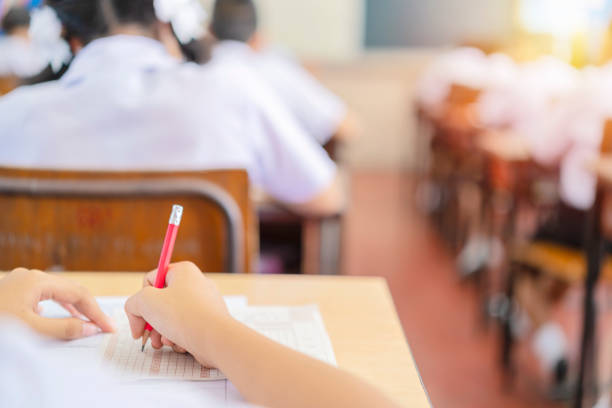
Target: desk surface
504,145
602,166
358,313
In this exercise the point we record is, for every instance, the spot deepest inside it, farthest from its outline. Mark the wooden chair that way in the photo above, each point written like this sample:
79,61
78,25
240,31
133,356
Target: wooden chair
115,221
7,84
565,265
455,160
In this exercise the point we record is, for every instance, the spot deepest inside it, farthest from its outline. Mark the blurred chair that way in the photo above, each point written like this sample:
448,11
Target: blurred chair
455,164
7,84
115,221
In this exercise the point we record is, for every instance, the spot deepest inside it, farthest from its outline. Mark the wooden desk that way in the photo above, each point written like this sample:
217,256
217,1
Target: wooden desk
318,240
358,313
504,145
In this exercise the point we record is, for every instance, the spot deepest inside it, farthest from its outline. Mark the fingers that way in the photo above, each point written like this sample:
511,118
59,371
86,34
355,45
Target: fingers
179,349
72,310
64,329
149,278
176,348
174,270
67,292
137,323
156,342
135,309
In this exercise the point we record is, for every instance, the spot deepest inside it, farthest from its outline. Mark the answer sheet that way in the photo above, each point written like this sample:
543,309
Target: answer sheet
300,328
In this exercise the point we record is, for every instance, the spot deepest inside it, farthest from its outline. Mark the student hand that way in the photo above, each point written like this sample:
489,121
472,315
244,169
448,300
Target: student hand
185,314
22,290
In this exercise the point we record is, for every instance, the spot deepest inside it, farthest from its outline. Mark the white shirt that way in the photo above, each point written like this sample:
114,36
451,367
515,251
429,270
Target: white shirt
561,115
530,94
578,126
125,104
33,375
465,66
318,110
19,58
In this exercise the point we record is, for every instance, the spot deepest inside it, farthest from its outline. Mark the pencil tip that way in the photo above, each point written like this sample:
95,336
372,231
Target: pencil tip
142,349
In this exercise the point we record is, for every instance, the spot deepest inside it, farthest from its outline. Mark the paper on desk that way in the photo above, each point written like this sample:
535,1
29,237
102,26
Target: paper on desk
300,328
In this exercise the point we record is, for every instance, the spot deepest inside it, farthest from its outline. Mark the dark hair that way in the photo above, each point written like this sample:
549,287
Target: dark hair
91,19
198,51
17,17
234,20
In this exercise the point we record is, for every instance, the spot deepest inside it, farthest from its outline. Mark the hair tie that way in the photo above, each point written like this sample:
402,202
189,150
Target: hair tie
46,33
187,18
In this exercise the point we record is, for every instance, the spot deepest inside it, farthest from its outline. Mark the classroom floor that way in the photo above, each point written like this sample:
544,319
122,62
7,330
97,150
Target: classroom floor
457,358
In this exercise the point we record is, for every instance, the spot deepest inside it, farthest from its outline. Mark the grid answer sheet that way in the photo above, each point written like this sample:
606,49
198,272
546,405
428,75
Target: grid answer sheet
298,327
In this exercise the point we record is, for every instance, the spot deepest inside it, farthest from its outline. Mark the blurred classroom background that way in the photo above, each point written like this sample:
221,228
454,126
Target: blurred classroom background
480,165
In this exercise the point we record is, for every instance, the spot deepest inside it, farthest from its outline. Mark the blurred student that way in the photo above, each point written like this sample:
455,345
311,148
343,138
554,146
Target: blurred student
125,103
265,372
321,113
18,57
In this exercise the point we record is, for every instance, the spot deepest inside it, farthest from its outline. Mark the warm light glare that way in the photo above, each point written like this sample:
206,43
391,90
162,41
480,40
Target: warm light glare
563,18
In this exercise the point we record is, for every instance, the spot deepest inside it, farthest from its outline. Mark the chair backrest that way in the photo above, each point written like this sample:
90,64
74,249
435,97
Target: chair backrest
606,141
7,84
115,221
462,95
604,195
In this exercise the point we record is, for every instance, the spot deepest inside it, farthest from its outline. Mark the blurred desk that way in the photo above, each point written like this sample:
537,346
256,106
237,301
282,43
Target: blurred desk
602,166
317,240
358,314
504,146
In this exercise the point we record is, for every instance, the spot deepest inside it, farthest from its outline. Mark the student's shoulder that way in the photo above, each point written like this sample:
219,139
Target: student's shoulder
226,81
27,98
210,75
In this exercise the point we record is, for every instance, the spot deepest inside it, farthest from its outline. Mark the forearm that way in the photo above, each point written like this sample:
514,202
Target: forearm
272,375
330,201
348,129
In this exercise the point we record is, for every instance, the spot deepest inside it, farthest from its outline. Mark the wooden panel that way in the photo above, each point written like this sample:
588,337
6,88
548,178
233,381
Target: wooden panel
7,84
563,263
119,233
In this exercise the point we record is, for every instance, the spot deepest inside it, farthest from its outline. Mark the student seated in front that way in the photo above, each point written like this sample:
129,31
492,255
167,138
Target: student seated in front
321,113
265,372
126,104
18,57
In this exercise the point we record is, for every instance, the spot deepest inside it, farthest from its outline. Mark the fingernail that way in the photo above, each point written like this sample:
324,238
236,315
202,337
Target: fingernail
90,329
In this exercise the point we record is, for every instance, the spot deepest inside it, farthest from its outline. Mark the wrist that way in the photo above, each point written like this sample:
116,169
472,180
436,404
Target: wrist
209,341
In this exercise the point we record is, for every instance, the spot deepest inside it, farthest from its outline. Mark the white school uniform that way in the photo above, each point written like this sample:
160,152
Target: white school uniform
465,66
317,109
530,105
19,58
580,126
125,104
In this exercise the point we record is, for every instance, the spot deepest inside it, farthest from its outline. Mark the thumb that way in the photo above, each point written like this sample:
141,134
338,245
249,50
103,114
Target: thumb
64,329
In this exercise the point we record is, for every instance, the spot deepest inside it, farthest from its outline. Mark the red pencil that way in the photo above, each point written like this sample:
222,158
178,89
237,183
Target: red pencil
164,259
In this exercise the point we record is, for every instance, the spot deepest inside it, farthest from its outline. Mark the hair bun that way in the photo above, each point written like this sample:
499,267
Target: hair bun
187,18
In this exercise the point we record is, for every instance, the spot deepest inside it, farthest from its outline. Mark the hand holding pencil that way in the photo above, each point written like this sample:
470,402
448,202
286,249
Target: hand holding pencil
187,315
